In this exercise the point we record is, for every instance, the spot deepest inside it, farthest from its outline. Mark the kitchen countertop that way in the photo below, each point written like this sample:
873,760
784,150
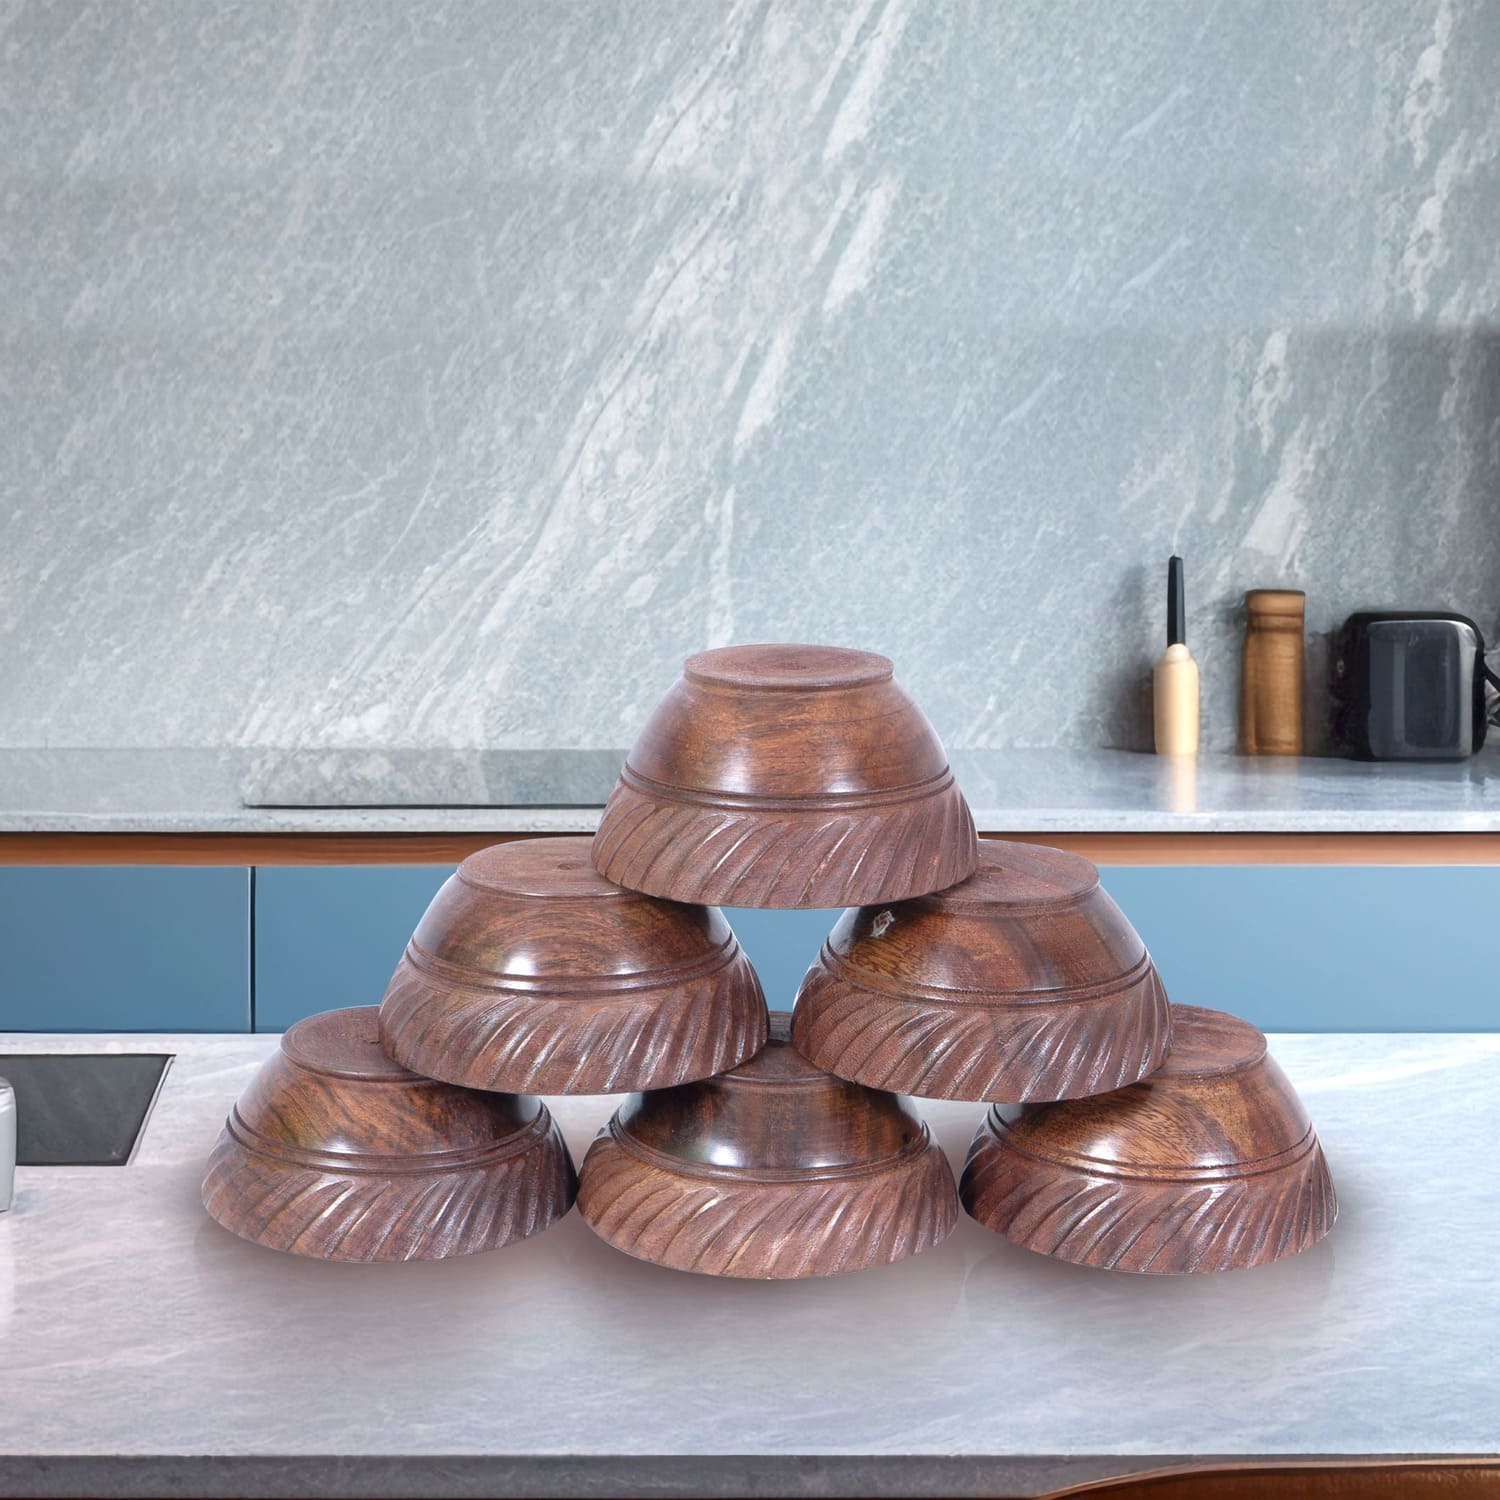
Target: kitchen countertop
1010,791
139,1337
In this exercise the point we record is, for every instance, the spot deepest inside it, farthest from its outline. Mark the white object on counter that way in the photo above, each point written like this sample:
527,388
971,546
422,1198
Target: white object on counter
1175,706
7,1145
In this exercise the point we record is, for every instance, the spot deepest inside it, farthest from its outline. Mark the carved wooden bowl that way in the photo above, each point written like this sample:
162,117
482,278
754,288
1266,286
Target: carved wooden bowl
1023,982
786,776
335,1151
1211,1164
774,1170
531,973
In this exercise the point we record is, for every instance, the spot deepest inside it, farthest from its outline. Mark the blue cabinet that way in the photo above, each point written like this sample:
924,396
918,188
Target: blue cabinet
1322,947
1290,947
781,945
124,948
330,935
173,948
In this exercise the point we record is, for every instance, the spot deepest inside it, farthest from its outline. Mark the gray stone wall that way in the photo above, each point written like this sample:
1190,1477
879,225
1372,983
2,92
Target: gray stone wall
444,373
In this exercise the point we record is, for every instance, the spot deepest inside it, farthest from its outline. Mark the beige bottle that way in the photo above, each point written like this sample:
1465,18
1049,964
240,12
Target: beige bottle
1174,683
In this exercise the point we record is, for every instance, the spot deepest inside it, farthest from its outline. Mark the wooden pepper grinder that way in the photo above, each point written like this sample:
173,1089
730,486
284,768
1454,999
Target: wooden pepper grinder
1271,685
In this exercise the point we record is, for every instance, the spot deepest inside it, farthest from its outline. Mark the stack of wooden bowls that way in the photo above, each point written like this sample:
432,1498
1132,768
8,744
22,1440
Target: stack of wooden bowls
1123,1132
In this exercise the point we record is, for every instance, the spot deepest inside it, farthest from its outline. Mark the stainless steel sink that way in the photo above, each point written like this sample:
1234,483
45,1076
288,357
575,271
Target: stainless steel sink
76,1109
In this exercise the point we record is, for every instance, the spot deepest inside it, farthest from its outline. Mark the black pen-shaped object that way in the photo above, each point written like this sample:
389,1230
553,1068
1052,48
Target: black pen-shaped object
1175,682
1176,609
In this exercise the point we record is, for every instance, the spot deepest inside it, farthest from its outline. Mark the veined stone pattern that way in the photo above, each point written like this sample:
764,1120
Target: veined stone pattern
443,375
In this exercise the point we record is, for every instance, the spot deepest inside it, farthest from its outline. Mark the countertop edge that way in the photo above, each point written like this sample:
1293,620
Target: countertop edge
440,821
593,1477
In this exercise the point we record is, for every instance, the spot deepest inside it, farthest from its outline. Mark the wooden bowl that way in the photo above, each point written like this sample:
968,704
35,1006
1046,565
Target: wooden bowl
1024,982
786,776
531,973
335,1151
1211,1164
774,1170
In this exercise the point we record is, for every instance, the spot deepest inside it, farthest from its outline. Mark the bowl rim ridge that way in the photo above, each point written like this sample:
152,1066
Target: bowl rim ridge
811,802
517,1143
719,957
852,976
923,1182
683,1166
1098,1166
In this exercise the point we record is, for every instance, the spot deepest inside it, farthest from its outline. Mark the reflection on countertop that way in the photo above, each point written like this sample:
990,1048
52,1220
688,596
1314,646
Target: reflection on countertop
377,790
133,1325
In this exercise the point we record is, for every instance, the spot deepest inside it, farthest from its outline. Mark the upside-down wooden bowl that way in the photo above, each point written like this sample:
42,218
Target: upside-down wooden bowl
335,1151
1023,982
774,1170
1211,1164
532,973
786,776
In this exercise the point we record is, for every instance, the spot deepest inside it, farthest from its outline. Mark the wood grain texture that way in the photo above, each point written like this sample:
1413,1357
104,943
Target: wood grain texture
772,1171
786,776
295,849
1271,674
1451,1478
336,1152
1023,982
1210,1165
531,973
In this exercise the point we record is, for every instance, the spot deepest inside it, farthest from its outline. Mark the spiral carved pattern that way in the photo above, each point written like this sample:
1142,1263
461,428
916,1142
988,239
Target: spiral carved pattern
768,1230
983,1050
359,1215
490,1038
1162,1226
784,857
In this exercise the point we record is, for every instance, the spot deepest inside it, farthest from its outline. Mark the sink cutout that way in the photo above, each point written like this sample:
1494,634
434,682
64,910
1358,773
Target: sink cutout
77,1109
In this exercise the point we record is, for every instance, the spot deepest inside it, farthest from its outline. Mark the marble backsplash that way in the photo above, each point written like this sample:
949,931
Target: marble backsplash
443,374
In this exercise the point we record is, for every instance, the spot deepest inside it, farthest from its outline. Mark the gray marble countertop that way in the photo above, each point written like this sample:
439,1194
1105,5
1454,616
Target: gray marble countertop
1010,791
139,1337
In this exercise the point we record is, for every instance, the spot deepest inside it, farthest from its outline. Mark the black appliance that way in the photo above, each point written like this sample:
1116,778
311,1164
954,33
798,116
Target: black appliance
1408,685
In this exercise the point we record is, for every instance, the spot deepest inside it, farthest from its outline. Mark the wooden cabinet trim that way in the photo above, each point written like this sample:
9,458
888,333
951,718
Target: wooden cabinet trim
450,848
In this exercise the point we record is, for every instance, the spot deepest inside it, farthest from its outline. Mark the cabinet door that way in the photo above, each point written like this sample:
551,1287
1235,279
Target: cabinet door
124,948
1292,948
1322,947
330,935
